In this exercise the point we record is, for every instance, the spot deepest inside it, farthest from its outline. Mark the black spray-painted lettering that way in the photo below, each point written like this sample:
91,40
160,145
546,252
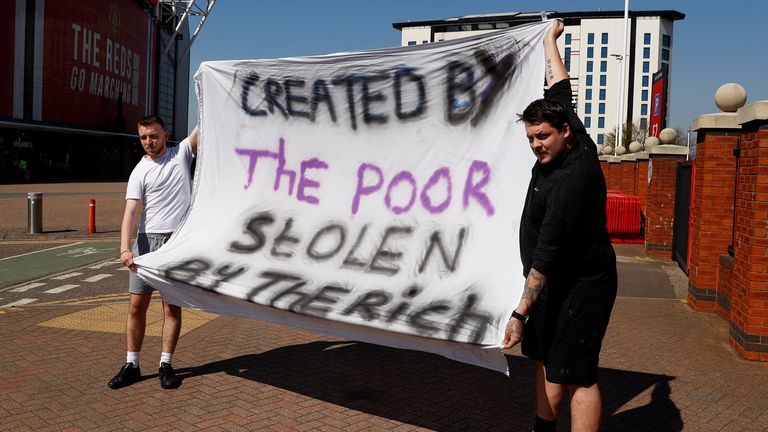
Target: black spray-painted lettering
436,242
254,230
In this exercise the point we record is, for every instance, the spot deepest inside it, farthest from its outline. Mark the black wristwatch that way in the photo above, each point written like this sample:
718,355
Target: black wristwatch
522,318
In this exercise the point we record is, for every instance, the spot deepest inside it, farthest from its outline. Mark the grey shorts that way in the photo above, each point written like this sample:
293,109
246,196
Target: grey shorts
145,243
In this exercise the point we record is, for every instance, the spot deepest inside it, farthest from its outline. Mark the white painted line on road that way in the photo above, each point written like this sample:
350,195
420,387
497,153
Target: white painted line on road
102,265
21,302
123,268
97,278
44,250
27,287
66,276
61,289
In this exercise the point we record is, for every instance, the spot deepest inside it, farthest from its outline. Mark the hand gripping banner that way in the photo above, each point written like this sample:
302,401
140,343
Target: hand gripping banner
370,195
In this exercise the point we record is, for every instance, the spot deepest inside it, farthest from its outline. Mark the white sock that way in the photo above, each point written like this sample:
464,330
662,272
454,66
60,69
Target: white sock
166,357
133,357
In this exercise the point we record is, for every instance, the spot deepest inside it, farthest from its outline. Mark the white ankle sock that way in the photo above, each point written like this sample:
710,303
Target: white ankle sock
166,357
133,357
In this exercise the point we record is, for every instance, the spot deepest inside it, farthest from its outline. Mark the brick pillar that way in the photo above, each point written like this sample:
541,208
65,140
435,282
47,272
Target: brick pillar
628,175
641,180
660,210
712,199
749,301
604,167
614,168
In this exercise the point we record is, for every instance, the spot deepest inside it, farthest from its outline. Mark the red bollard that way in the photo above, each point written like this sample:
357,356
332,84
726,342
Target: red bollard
91,216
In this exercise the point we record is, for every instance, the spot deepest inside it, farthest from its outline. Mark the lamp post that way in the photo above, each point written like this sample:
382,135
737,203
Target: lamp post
623,68
619,132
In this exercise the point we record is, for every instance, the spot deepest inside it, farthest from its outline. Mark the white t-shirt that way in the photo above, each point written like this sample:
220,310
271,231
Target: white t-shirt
164,185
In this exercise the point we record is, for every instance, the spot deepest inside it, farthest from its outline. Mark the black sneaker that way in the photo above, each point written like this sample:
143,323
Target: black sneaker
128,375
168,378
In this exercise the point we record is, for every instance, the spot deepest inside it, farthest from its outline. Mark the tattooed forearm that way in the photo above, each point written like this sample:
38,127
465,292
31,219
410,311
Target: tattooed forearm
550,74
534,284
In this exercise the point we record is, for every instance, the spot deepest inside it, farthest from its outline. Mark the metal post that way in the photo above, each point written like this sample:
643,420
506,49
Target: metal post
91,216
34,212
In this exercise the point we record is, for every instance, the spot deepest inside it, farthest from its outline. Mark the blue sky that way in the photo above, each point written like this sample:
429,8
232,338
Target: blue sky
717,42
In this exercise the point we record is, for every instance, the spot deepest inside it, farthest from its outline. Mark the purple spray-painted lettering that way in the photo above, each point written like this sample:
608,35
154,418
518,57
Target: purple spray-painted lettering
401,176
475,190
281,171
426,201
361,188
305,183
253,156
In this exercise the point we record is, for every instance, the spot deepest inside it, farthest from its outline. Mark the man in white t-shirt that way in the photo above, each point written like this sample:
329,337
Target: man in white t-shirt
158,194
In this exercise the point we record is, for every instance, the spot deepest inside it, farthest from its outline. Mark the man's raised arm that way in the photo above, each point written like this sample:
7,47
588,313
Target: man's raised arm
554,67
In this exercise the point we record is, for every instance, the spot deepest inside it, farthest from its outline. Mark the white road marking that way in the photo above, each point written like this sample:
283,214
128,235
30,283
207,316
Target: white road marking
61,289
102,265
27,287
44,250
66,276
97,278
21,302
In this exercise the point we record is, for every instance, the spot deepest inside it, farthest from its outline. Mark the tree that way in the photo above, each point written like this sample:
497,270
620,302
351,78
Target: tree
632,132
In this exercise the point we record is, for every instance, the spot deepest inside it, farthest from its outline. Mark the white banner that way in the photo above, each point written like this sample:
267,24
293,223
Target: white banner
371,195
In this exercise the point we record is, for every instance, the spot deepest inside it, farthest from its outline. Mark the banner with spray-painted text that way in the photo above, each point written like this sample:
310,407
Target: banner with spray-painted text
368,195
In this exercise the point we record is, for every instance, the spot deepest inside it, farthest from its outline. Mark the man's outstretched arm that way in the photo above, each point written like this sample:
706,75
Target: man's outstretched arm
554,69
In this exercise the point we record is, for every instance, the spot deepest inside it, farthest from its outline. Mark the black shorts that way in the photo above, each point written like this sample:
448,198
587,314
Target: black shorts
566,334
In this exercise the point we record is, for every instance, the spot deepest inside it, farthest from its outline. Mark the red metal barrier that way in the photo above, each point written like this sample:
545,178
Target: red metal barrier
91,216
623,214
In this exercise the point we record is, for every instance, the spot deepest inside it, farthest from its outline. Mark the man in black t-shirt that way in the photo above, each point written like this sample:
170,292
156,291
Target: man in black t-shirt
568,260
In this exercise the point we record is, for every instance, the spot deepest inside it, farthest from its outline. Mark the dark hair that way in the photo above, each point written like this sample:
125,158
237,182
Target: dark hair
545,111
150,120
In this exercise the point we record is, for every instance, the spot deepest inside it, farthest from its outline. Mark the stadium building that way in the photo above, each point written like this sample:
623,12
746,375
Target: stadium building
592,47
76,76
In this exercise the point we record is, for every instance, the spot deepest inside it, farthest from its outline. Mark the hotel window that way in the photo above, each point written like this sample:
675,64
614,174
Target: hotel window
589,66
644,109
666,41
605,38
590,38
665,54
601,122
647,38
645,80
588,94
603,66
601,108
600,138
567,38
602,94
590,52
588,108
411,43
644,96
604,52
589,80
567,59
646,53
587,121
646,67
603,79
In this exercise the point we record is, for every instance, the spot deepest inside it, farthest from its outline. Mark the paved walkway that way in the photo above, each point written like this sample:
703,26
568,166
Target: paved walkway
664,367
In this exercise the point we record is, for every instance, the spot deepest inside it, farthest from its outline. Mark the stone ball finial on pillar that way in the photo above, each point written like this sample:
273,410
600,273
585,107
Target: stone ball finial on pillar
620,150
608,150
599,149
668,136
651,142
730,97
635,147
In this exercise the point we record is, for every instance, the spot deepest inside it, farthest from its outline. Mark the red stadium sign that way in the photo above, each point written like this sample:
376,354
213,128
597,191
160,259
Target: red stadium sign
658,103
95,63
7,30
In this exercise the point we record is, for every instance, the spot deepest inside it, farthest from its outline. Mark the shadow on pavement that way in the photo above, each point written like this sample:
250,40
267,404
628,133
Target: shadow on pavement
430,391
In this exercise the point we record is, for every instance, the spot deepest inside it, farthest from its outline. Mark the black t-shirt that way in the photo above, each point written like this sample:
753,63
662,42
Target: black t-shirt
563,231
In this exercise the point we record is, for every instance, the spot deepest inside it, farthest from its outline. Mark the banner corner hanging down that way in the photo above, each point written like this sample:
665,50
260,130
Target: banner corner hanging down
372,195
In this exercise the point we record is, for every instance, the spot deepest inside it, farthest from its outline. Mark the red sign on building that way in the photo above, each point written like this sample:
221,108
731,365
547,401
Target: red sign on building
95,63
658,103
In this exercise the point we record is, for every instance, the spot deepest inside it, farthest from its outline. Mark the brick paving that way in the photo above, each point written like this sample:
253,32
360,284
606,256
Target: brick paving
663,368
